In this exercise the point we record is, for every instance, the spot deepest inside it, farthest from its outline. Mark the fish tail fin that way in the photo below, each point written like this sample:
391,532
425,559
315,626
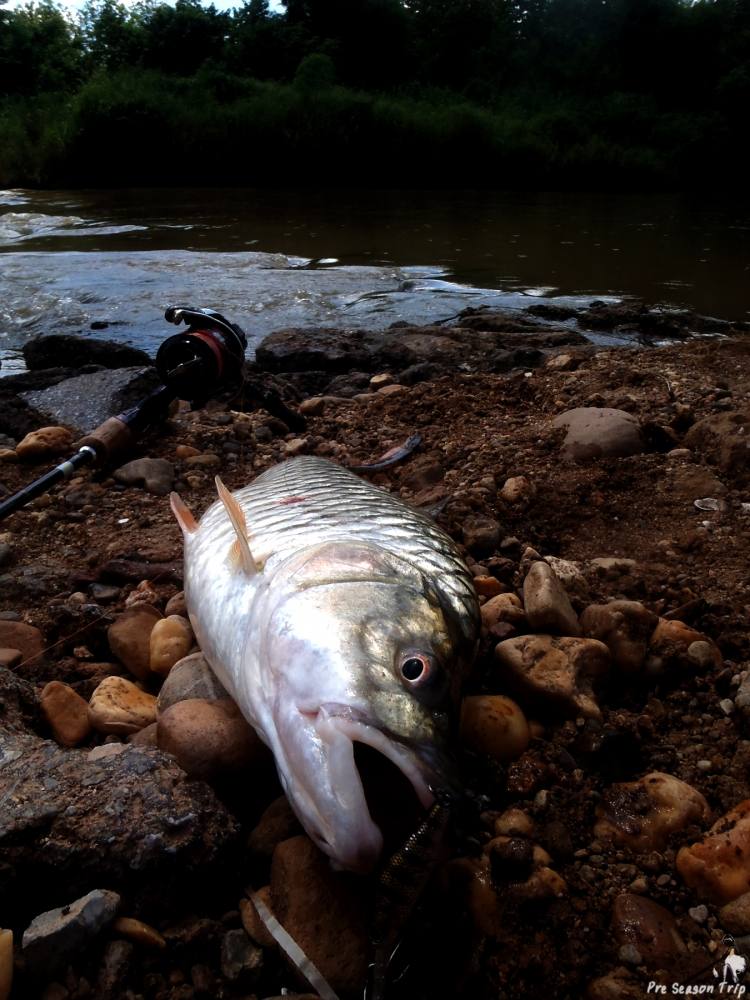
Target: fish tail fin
237,516
183,514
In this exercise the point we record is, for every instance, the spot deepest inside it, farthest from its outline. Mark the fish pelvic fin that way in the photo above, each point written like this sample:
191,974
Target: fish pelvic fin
183,514
240,550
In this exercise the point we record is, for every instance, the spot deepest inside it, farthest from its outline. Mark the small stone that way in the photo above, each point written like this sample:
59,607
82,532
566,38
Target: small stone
45,441
176,605
488,586
10,658
7,555
295,447
546,603
642,815
558,672
312,407
378,381
8,455
206,460
66,712
481,535
513,822
144,593
599,432
619,984
702,654
625,627
53,936
495,726
209,738
26,638
156,475
502,608
726,705
117,958
118,706
254,926
241,960
611,568
647,927
670,644
105,751
6,963
190,677
735,916
104,593
171,639
630,955
185,451
391,390
517,490
570,576
304,888
717,868
129,638
138,932
699,914
145,737
562,363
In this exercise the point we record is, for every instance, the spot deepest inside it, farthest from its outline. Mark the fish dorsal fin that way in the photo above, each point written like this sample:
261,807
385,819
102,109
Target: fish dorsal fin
184,515
237,516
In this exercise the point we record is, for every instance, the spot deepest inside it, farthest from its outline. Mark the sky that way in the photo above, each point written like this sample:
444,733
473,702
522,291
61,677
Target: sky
76,5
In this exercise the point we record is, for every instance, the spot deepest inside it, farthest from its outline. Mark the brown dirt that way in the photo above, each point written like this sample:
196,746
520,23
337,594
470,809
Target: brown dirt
481,429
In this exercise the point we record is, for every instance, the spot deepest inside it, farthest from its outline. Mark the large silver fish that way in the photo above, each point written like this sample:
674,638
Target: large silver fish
333,613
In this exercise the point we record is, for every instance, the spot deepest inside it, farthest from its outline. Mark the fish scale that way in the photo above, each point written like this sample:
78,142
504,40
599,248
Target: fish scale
338,504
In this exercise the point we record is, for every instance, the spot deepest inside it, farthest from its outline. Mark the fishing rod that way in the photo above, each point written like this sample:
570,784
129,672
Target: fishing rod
194,365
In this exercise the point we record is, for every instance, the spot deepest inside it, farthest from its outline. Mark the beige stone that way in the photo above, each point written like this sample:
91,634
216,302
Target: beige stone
66,712
138,932
558,672
517,490
502,608
209,739
45,441
207,460
717,868
312,407
190,677
547,605
171,639
514,822
186,451
129,638
118,706
625,627
176,605
642,815
10,658
494,725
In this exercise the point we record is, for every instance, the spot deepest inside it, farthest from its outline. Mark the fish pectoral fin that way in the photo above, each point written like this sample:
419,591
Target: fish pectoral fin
240,551
183,514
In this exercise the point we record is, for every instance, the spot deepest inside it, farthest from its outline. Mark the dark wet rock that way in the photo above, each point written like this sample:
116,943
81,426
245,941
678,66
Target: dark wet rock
481,535
85,401
69,351
19,705
632,316
53,936
123,820
118,956
241,960
599,432
348,385
550,311
480,347
724,440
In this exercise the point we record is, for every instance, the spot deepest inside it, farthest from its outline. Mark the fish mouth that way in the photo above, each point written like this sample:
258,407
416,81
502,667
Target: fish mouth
346,829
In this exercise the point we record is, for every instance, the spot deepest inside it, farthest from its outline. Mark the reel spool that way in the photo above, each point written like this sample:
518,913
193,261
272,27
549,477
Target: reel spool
207,357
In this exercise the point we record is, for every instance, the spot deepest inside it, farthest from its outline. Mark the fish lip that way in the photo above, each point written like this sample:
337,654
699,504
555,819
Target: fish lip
359,728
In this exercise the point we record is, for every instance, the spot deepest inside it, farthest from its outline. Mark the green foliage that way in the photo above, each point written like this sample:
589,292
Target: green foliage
465,92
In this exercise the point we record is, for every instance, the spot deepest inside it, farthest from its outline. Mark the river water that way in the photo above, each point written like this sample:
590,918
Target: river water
269,259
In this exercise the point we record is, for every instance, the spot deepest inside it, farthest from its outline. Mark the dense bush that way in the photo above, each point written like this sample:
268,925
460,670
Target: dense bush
462,92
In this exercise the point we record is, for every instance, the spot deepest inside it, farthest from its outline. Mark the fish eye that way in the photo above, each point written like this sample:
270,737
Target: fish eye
417,669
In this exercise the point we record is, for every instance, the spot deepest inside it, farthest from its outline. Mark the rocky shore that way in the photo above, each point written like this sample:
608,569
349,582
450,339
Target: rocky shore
602,498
